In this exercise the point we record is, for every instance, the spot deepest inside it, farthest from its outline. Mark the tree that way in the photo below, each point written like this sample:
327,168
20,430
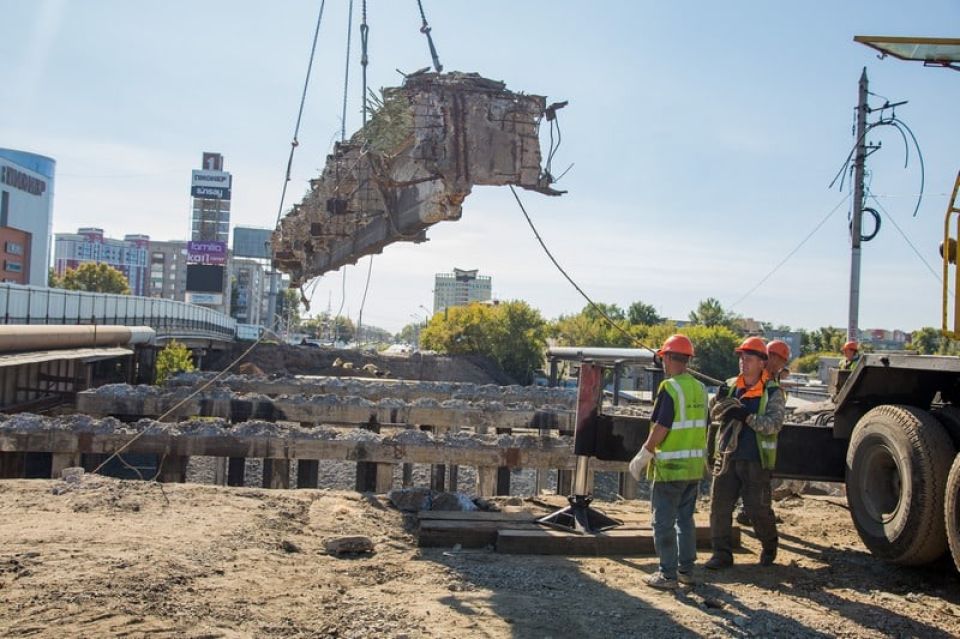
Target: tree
95,278
511,333
408,334
646,314
711,313
174,358
53,280
612,311
714,347
825,339
590,328
929,341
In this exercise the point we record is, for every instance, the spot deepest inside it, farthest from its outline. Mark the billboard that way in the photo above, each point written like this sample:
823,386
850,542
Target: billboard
250,242
213,299
205,278
207,253
214,185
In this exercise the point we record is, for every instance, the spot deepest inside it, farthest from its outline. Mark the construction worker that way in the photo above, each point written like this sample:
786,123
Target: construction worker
851,354
677,448
778,356
750,411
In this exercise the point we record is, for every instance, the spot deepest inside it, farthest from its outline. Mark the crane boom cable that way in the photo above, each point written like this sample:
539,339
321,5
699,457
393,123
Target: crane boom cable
364,59
425,29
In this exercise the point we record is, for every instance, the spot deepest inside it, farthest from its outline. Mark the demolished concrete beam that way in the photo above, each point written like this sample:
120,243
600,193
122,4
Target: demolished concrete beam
425,147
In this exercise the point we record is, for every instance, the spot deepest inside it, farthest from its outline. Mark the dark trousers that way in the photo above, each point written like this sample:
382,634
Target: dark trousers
749,480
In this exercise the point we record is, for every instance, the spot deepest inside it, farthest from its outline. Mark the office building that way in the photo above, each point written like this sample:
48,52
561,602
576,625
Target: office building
26,216
460,288
168,270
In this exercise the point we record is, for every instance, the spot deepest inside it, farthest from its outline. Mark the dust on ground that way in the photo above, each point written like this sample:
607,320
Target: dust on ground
135,559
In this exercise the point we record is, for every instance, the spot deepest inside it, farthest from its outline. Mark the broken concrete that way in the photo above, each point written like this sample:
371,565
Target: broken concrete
425,147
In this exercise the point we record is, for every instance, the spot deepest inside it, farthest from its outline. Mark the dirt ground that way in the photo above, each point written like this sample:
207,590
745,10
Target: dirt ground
114,558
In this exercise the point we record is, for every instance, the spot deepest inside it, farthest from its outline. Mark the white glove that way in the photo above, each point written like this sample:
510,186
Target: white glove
639,462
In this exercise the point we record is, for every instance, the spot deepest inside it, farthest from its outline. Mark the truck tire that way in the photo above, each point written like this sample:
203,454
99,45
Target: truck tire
951,511
897,466
949,418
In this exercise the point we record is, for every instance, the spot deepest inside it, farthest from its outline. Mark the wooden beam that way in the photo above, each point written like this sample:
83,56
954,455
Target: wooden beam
276,473
619,541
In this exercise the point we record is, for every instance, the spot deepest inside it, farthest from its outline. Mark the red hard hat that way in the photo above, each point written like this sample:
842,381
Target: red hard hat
679,344
851,346
779,348
753,345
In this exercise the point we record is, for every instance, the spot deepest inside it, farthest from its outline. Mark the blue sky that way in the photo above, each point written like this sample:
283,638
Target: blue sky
703,137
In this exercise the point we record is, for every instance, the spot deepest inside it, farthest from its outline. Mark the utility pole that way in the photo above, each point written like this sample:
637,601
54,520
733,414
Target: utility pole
853,332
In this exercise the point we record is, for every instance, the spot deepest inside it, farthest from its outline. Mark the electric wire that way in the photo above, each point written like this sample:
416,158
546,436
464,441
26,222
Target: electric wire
907,239
593,304
793,252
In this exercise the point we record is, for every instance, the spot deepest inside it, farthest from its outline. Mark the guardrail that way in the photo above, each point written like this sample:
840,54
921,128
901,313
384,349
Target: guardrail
39,305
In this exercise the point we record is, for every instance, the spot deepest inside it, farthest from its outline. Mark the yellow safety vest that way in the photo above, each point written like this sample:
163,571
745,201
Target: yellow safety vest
682,456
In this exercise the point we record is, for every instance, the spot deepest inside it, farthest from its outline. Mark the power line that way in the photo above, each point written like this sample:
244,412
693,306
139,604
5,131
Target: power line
793,252
906,239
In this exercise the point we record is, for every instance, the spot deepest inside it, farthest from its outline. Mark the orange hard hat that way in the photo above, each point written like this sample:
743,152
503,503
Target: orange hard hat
851,346
753,345
779,348
679,344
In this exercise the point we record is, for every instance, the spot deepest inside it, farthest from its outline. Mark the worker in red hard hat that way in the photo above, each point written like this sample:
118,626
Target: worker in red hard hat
851,356
750,410
675,455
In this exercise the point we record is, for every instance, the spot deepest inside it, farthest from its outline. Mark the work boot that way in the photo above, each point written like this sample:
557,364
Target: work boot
686,578
719,561
743,518
767,555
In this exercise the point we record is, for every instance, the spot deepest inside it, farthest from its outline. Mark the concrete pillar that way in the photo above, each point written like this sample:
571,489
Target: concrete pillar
173,469
59,461
12,465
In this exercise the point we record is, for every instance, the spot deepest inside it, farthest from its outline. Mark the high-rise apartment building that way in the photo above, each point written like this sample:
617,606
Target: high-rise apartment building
210,189
129,255
247,291
168,270
460,288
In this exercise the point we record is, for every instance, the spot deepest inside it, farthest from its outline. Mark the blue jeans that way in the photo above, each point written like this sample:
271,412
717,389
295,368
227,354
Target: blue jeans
674,533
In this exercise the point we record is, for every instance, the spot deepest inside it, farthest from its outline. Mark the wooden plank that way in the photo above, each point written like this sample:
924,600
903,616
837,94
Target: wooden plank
486,481
612,542
383,482
276,473
437,533
173,469
475,515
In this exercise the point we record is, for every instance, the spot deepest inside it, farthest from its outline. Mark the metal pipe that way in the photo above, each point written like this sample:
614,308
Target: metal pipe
32,337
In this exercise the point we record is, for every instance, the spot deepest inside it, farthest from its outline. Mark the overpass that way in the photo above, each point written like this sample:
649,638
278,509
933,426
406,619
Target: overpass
55,343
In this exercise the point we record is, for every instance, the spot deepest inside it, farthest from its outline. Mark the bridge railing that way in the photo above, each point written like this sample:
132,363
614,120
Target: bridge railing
39,305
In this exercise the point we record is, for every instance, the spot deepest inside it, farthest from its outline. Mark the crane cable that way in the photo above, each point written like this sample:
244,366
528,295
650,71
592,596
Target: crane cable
364,59
425,30
343,138
593,304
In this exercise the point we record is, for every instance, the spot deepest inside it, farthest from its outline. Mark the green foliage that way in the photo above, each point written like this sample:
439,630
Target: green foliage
53,279
511,333
714,347
825,339
288,308
95,278
390,123
809,363
711,313
646,314
409,333
589,328
174,358
929,341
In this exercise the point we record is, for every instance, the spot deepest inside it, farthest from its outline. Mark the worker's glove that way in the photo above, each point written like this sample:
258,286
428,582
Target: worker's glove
639,462
720,408
737,412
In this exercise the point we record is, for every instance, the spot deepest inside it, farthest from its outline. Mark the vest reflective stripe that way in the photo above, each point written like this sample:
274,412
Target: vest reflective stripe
767,444
681,456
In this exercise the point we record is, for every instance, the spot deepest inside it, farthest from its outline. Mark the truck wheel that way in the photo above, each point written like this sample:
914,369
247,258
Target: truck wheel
951,510
949,417
897,466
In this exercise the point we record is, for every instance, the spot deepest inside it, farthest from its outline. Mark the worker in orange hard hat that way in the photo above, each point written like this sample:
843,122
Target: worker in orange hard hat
676,452
851,356
750,410
778,355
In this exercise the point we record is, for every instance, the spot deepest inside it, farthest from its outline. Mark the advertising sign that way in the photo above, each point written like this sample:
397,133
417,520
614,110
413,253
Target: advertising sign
207,253
214,299
205,279
210,192
216,179
250,242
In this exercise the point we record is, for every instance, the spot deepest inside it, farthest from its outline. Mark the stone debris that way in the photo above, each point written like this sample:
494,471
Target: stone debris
426,145
354,545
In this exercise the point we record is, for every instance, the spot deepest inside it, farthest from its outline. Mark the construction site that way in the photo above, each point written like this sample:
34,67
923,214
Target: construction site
268,488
